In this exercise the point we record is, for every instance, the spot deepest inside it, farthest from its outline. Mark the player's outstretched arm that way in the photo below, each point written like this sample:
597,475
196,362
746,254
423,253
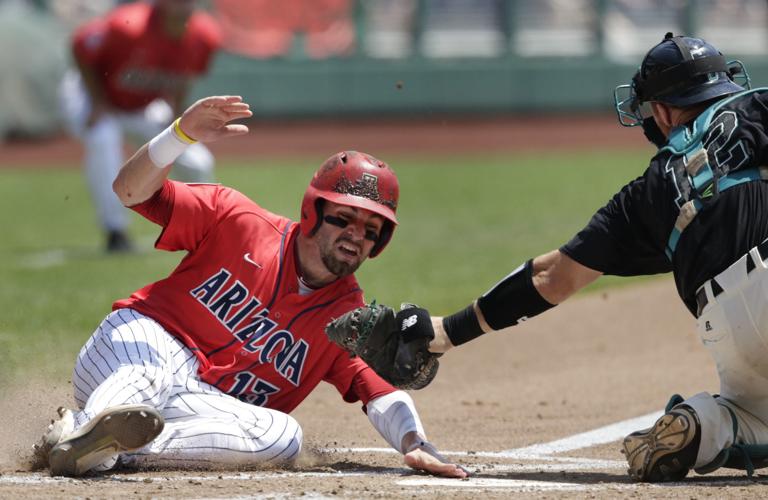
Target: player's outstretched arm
206,120
394,415
529,290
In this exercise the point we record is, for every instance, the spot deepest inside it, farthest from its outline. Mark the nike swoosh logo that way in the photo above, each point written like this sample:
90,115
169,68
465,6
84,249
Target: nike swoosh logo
247,258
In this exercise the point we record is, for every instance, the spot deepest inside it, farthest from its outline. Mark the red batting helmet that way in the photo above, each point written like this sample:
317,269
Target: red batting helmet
356,180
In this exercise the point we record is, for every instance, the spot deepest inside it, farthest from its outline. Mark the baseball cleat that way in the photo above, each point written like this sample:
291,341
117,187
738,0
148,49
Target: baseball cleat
115,430
63,426
666,451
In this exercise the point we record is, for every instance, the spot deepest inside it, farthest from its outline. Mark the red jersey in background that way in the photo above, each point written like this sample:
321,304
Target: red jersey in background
137,61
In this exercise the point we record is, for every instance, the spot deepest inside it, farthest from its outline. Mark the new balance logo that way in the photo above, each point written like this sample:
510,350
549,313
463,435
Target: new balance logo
408,322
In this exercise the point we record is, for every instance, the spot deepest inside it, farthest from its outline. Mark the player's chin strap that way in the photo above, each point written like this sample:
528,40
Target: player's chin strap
706,185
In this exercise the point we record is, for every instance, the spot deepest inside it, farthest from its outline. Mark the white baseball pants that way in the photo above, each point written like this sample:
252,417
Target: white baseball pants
103,145
734,327
130,358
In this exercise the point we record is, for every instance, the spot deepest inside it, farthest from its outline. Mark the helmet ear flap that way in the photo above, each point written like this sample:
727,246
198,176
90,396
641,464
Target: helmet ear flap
319,202
384,236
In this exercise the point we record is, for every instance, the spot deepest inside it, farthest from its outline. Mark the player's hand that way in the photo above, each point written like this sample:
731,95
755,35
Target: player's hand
422,455
428,461
208,119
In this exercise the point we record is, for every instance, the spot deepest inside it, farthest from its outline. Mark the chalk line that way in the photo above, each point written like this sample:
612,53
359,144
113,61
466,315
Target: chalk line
587,439
544,451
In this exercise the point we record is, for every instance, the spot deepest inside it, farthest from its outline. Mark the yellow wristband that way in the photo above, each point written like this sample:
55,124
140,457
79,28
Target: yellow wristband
180,133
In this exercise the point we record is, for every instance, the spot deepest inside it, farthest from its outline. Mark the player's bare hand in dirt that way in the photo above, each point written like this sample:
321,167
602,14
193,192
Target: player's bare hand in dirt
209,118
422,455
424,459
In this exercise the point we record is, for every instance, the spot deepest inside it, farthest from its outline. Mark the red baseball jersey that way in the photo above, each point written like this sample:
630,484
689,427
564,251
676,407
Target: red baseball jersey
137,61
234,300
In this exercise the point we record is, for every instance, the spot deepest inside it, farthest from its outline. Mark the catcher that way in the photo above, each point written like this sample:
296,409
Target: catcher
700,211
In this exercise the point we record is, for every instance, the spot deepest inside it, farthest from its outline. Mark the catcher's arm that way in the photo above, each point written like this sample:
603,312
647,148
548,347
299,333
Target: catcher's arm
531,289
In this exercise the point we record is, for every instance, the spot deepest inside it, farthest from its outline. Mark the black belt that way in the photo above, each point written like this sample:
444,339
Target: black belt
701,294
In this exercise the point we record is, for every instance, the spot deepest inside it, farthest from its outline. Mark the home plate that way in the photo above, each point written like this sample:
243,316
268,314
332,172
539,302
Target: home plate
506,484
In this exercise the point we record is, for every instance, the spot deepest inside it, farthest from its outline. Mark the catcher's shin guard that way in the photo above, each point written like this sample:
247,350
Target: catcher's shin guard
115,430
667,450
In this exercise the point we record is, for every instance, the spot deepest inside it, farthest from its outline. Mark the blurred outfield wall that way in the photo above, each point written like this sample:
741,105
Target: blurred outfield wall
329,58
473,56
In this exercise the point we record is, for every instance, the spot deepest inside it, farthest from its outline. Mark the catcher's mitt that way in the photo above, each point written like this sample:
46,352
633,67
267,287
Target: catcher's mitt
395,345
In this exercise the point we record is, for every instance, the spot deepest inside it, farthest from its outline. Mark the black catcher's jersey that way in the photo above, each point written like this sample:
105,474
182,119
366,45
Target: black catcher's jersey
628,236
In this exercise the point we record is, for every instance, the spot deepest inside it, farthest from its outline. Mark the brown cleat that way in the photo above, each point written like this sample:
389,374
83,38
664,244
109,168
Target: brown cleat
666,451
115,430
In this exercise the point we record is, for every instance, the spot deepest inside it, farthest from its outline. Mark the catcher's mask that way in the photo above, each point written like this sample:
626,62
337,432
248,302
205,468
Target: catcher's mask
679,71
356,180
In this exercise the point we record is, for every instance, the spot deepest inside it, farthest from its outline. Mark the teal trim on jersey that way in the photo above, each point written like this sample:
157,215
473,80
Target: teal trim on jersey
690,143
727,182
682,140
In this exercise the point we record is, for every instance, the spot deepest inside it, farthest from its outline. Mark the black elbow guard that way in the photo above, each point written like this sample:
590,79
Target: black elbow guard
512,299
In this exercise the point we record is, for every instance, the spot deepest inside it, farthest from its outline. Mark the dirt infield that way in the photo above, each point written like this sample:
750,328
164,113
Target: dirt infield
597,360
444,135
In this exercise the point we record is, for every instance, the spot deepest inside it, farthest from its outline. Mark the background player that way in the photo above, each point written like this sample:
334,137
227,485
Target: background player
204,366
700,210
135,66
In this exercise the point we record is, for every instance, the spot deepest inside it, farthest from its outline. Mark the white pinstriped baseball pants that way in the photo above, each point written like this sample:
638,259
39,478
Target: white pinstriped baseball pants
130,358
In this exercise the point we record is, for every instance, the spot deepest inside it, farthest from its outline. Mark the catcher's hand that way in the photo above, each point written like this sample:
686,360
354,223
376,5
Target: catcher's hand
395,345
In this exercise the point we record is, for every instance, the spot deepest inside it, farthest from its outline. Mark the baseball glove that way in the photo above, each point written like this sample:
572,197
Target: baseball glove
395,345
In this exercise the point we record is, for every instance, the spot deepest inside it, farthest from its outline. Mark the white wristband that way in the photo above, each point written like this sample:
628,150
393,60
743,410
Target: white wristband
394,415
168,145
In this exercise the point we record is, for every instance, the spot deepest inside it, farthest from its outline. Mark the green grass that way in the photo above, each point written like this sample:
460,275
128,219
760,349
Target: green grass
465,223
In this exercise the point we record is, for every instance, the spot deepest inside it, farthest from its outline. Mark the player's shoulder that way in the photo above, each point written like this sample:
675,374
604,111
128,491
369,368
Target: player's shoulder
745,103
350,295
233,204
205,27
130,18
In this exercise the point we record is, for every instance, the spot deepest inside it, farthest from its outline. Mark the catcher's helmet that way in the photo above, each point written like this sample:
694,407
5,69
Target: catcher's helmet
680,71
356,180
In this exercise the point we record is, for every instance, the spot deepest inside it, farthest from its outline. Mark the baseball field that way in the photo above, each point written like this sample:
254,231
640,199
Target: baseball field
536,411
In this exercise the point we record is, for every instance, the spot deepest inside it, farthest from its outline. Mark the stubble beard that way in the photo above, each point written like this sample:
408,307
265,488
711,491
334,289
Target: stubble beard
337,267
